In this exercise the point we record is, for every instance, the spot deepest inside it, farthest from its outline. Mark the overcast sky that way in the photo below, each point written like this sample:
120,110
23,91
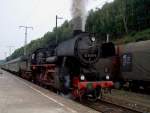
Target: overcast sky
37,13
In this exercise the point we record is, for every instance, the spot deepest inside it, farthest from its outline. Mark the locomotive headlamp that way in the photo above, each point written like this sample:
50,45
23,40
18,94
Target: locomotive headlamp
93,39
107,77
82,77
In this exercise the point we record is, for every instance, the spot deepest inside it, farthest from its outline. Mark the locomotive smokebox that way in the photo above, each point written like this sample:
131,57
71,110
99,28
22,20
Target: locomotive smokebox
76,32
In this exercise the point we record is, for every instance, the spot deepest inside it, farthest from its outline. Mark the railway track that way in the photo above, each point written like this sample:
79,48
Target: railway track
106,107
134,101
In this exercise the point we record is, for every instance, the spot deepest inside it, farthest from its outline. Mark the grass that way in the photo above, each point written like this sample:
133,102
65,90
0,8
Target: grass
135,37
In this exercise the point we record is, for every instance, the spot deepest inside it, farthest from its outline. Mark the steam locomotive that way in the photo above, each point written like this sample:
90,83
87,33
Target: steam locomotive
67,67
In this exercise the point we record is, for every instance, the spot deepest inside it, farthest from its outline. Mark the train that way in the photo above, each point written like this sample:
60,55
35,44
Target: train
67,67
130,67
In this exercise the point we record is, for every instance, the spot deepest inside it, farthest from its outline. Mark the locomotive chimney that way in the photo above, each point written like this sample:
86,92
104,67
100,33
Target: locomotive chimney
78,11
77,26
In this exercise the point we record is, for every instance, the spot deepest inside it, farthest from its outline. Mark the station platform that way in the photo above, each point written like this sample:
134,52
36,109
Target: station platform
20,96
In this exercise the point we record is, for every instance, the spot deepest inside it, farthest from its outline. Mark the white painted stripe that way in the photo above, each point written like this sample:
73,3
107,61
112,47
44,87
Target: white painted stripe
38,91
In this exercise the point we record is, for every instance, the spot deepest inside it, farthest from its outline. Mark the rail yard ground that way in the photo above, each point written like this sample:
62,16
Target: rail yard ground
20,96
138,102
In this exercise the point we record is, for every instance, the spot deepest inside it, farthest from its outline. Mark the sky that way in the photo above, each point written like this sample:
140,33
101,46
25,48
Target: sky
40,14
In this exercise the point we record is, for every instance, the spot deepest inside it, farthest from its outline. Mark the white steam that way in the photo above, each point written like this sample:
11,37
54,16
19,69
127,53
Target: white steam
79,14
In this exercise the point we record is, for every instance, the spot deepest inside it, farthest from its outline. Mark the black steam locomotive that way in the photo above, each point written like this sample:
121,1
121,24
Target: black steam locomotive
67,67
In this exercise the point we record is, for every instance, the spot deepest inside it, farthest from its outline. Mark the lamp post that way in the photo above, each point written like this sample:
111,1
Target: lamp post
56,27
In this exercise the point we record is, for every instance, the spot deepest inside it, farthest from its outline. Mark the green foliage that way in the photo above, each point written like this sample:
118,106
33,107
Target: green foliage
119,18
135,37
2,61
64,32
143,35
124,20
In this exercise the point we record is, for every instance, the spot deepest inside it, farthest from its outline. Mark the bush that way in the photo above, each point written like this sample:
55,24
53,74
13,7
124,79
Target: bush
135,37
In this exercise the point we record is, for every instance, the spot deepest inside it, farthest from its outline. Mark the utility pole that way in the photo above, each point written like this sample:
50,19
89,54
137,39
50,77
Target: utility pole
56,28
25,42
